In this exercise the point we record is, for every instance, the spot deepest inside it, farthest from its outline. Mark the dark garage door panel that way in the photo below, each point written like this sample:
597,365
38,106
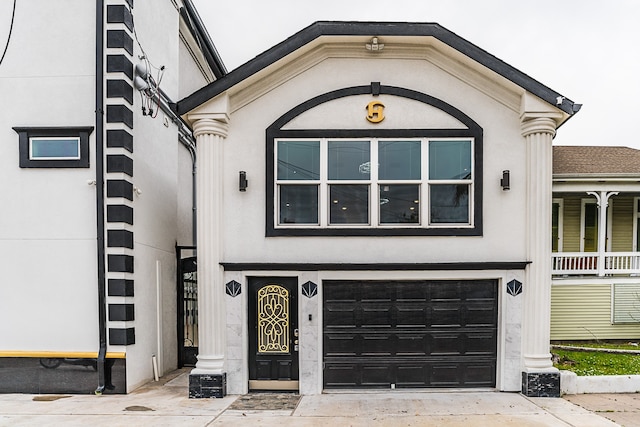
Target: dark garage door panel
411,334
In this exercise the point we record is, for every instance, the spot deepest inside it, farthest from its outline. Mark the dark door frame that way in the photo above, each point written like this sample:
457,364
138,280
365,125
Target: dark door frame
180,270
273,371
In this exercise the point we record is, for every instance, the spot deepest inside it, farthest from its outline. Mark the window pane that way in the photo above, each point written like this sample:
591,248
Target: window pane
449,203
349,204
349,160
590,227
298,204
399,204
298,160
55,148
450,160
399,159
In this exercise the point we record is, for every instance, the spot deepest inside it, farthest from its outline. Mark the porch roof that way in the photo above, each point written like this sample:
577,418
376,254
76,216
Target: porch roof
575,161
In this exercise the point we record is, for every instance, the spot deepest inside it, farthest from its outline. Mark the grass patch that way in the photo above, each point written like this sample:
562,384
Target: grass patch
586,363
600,344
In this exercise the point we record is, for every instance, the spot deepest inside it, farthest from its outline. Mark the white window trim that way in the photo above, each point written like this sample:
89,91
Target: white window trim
374,186
560,203
636,215
633,300
54,138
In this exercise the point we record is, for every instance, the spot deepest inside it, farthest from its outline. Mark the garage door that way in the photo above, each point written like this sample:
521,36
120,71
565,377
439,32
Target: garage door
386,334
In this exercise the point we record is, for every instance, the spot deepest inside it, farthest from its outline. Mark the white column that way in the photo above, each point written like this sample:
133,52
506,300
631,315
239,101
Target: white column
603,203
538,133
210,134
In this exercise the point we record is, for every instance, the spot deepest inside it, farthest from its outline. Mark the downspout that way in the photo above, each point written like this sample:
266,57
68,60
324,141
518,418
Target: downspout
194,207
102,311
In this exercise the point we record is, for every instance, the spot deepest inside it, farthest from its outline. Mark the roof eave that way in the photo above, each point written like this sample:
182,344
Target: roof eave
200,33
328,28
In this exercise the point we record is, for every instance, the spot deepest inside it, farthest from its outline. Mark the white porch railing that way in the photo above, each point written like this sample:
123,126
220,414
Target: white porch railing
590,263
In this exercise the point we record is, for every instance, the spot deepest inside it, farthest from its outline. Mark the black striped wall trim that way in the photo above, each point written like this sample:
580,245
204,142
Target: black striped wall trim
119,138
120,213
119,14
120,239
120,114
118,263
119,163
120,64
120,89
121,312
119,188
122,336
119,117
120,288
120,39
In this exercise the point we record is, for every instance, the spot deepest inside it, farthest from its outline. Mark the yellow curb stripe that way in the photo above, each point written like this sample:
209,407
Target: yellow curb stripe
61,354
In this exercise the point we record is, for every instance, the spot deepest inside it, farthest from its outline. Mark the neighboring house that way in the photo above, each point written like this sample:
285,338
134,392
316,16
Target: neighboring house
374,201
596,264
96,189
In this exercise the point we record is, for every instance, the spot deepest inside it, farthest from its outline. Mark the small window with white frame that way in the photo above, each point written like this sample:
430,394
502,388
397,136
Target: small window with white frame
54,147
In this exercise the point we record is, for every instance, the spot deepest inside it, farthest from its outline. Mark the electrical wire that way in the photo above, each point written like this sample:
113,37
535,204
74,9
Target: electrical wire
6,46
151,94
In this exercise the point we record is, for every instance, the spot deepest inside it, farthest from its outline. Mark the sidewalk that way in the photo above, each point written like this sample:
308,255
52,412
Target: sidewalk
166,403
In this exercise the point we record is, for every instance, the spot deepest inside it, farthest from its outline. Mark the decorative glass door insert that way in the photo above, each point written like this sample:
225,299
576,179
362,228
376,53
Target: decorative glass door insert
273,320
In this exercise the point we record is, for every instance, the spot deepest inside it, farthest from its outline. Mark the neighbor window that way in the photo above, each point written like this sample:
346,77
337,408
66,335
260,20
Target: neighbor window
626,303
374,183
54,147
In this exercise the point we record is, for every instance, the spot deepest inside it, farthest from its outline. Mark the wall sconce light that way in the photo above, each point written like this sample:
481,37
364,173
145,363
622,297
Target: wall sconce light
505,182
243,183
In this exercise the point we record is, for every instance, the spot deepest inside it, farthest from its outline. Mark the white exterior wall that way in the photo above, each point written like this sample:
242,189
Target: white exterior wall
48,230
47,224
504,222
504,219
162,210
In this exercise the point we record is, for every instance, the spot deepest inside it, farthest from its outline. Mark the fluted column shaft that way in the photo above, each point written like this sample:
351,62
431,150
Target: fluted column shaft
210,135
538,133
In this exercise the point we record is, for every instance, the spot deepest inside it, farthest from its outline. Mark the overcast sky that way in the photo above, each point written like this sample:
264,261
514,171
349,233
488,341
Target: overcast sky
587,50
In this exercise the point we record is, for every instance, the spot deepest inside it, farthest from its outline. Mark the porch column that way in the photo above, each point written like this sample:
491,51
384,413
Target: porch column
539,377
208,379
602,199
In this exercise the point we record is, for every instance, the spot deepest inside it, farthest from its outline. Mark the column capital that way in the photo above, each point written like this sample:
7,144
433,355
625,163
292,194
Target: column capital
212,124
538,124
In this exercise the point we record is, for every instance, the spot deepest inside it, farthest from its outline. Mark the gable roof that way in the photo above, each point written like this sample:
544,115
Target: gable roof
378,29
595,160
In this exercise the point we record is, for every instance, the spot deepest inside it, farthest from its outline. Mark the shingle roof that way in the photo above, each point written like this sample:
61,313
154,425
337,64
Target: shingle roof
596,160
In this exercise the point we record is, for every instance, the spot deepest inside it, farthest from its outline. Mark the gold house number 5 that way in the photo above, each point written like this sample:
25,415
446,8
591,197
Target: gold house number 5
375,111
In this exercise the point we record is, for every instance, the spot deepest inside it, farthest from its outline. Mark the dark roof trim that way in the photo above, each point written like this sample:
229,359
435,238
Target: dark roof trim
199,32
329,28
437,266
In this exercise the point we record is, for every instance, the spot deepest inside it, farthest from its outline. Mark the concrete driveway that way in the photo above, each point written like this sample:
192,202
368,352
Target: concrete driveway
166,403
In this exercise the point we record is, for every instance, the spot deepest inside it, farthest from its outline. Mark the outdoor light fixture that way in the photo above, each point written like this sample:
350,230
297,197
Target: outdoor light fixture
374,46
243,183
505,182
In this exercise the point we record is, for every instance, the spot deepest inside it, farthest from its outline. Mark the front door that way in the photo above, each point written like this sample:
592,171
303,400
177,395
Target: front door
273,333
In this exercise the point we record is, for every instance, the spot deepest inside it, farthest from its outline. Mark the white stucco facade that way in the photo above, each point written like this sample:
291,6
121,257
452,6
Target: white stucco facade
517,127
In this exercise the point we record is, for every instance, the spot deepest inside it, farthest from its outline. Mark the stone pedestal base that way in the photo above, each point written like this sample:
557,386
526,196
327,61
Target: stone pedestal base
541,384
204,386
